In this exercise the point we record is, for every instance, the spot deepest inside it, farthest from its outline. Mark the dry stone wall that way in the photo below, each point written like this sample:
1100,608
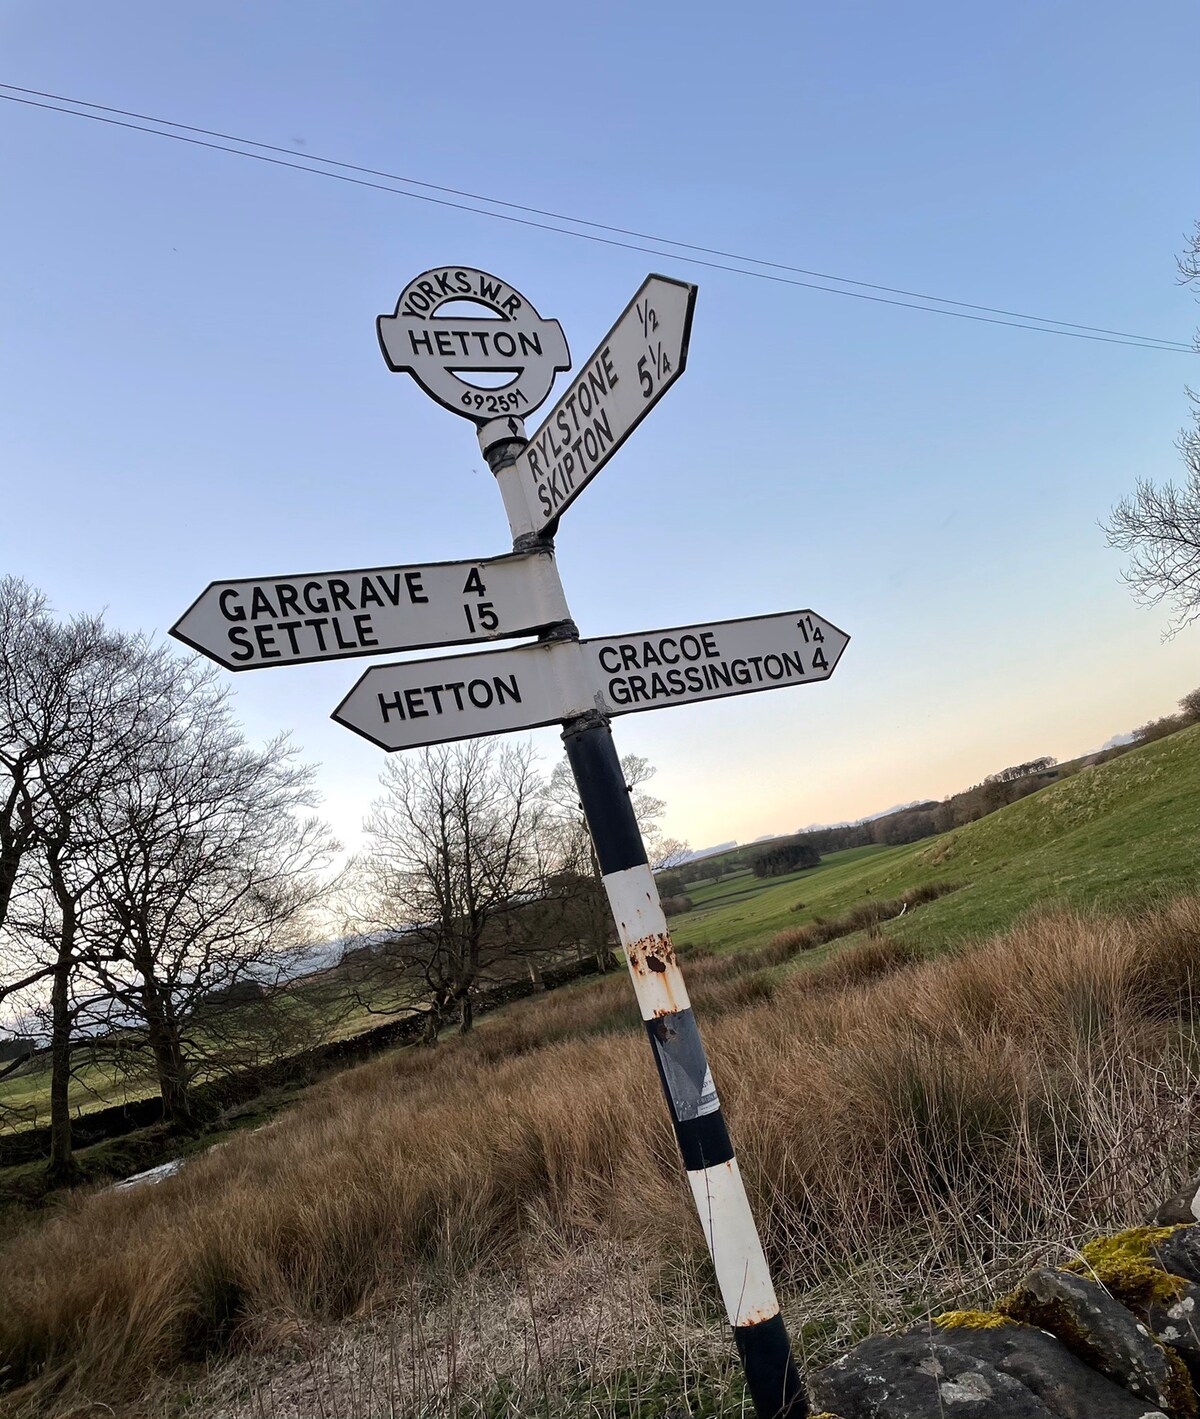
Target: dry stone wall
1114,1334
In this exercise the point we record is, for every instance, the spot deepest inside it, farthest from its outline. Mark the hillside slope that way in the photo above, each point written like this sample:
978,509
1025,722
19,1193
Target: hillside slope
1120,834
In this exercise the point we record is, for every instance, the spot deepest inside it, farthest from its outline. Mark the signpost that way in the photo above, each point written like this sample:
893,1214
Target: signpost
438,350
631,369
580,684
461,697
291,620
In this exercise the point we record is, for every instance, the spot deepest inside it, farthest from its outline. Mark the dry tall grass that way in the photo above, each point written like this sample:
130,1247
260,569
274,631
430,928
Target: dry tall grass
910,1131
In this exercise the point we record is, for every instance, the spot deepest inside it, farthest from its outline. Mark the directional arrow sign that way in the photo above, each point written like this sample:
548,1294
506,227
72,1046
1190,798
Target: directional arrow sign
635,364
290,620
465,696
656,669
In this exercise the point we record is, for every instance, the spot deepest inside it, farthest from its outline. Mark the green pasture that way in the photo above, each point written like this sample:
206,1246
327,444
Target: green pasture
1115,836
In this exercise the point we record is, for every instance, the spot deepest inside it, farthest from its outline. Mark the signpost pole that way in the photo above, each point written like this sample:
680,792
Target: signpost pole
708,1157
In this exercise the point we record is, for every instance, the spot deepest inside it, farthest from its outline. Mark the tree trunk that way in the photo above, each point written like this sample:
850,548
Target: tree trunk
466,1016
433,1023
169,1063
61,1168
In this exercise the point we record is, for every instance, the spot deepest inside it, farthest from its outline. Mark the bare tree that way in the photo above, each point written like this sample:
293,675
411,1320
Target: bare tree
454,863
74,700
1159,527
213,863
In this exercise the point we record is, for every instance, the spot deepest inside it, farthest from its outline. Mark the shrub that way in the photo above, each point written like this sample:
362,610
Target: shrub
676,906
787,857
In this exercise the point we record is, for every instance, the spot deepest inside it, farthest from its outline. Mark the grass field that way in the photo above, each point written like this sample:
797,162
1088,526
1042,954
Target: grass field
1113,836
499,1227
1120,835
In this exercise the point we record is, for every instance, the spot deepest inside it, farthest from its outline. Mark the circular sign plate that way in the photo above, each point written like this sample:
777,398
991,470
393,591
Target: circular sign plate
439,350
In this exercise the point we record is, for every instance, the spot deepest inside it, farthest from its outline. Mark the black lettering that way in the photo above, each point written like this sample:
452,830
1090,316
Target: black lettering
239,611
604,665
316,625
662,650
658,687
391,592
508,688
260,605
289,601
477,688
694,678
512,304
794,662
414,703
637,688
444,347
416,592
489,290
339,594
290,628
266,641
649,655
535,460
530,344
629,660
618,692
463,282
417,338
508,341
393,704
741,671
456,689
777,672
756,662
675,680
314,603
435,692
474,582
343,643
718,674
368,593
364,630
609,372
240,637
708,641
689,647
596,380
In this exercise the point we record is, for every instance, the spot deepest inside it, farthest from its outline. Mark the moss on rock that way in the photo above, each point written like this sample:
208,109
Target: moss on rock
972,1320
1125,1264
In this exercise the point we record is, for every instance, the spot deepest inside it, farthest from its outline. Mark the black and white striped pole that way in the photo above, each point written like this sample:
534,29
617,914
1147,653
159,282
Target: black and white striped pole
741,1267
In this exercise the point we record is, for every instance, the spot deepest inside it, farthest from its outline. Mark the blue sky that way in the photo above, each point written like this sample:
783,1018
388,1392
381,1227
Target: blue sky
193,390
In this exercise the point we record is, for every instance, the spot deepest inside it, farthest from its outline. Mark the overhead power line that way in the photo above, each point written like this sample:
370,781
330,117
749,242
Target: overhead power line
303,162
